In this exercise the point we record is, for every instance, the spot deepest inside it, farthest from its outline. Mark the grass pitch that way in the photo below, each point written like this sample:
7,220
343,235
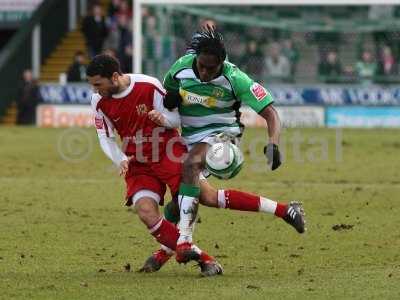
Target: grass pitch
64,233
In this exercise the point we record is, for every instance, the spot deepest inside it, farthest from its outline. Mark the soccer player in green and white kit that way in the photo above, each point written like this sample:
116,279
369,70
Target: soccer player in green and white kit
208,91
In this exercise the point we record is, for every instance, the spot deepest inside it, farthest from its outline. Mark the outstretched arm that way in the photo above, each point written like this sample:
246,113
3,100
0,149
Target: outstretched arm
271,151
259,99
274,125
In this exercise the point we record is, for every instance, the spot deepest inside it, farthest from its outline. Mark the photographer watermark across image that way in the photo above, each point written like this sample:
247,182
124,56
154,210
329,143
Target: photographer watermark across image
76,145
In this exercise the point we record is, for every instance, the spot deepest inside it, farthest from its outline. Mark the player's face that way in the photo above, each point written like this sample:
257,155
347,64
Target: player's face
208,67
104,86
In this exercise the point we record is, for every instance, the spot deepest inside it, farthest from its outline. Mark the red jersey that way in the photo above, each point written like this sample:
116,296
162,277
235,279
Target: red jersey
126,112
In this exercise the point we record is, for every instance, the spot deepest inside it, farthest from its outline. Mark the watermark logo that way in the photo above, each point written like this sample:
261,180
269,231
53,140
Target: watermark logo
74,145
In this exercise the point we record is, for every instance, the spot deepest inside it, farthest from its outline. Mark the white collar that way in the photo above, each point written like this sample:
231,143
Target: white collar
125,92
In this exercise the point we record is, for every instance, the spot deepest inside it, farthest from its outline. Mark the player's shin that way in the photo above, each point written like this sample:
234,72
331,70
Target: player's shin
188,200
165,233
243,201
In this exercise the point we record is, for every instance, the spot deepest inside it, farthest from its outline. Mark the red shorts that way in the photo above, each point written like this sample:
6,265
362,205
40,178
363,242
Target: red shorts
155,176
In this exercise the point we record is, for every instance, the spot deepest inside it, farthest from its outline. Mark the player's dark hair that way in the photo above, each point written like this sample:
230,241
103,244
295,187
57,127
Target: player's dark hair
208,41
103,65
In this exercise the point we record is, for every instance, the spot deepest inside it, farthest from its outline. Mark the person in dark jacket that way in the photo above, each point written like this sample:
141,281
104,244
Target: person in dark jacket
29,97
95,30
330,69
77,70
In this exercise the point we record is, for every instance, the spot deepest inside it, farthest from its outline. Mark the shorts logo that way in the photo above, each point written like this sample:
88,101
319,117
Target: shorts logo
258,91
98,122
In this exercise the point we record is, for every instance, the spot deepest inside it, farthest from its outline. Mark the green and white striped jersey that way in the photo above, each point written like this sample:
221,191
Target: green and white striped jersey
208,107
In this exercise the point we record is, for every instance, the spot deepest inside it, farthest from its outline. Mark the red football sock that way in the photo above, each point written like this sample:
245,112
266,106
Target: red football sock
241,201
238,200
280,210
165,233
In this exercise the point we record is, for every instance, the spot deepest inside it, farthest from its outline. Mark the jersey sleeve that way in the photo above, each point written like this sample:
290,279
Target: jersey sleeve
105,132
170,83
172,118
104,126
250,92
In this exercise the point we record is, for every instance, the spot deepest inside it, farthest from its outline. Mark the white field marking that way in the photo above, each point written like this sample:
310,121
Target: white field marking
275,183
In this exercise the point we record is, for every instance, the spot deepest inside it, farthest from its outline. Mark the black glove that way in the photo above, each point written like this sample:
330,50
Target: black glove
271,151
172,100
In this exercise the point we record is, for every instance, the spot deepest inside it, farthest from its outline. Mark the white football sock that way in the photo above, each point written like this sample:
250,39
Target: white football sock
166,249
267,205
187,207
221,199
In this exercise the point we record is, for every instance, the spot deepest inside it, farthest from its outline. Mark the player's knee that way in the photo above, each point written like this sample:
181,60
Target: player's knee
147,211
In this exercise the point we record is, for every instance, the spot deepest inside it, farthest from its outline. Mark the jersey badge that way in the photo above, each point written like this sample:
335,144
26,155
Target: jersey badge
218,92
98,122
258,91
141,109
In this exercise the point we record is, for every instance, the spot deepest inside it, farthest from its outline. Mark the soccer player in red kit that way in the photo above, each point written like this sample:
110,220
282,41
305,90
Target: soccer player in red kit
151,155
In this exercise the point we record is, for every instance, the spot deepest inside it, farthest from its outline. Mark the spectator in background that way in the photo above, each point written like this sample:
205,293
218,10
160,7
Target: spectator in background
291,53
124,43
128,58
327,41
113,7
330,69
112,40
251,63
28,98
95,30
366,68
277,66
77,70
387,63
124,10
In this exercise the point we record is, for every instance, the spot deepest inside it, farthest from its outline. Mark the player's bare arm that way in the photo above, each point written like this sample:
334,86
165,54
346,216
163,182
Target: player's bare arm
274,125
271,151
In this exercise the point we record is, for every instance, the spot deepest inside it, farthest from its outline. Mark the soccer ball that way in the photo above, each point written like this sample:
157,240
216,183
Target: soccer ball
224,160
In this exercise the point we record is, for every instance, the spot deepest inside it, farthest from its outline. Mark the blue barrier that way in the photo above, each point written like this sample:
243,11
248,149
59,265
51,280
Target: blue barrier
74,93
365,117
284,94
336,95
